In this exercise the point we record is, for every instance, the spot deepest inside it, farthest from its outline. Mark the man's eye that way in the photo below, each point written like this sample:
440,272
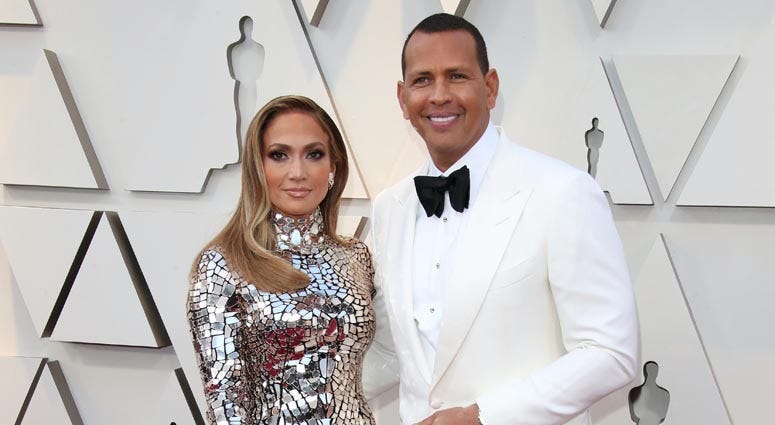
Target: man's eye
458,76
421,80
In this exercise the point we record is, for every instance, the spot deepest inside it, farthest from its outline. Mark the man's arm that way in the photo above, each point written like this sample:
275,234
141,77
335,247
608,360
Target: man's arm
380,364
595,304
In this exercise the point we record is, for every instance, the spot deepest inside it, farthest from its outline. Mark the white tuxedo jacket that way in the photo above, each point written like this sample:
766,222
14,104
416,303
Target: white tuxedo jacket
540,318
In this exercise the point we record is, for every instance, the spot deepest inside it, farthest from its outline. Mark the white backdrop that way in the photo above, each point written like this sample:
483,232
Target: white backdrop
684,95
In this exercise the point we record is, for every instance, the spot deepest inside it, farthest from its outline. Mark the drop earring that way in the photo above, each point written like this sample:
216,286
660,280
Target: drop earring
330,180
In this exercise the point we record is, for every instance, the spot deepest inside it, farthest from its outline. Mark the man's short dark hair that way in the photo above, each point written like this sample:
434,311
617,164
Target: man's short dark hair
442,22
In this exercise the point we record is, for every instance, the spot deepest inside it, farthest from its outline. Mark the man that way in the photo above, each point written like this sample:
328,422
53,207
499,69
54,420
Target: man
505,285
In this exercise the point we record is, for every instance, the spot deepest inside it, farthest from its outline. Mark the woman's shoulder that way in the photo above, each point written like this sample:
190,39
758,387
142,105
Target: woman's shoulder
212,263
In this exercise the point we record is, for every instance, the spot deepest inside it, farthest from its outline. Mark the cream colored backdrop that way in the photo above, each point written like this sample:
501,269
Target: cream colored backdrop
119,158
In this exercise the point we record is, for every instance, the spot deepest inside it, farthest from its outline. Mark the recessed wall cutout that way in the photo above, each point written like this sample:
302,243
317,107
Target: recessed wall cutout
648,401
246,64
593,138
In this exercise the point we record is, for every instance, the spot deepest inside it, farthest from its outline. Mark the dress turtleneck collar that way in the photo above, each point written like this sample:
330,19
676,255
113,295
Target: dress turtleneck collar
298,235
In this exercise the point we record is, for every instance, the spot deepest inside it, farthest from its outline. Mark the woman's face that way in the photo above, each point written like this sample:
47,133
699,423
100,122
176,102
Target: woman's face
297,160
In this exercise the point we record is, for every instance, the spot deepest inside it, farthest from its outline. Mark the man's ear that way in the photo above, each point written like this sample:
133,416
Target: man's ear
400,96
492,83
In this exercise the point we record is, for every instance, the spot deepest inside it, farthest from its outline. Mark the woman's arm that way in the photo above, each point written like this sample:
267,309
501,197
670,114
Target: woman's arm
216,320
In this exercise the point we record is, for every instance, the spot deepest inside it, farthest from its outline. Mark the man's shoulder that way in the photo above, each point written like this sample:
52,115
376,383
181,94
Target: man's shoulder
538,166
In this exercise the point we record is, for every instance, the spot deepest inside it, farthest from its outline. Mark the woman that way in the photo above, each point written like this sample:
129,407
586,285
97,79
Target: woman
280,307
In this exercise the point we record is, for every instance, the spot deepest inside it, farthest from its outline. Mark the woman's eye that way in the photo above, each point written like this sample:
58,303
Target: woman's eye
277,155
316,154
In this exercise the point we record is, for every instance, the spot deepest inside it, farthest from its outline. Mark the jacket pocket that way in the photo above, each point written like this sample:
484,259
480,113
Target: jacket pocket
515,273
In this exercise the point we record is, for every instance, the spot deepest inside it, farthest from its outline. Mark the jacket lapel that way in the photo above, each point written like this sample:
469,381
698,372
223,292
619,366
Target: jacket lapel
481,243
400,234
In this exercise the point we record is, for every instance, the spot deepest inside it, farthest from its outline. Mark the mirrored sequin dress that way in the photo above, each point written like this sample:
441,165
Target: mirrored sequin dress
286,358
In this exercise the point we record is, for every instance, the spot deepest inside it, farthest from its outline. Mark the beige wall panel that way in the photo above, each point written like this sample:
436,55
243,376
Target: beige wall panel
603,9
671,98
181,236
313,10
47,144
41,245
455,7
51,401
727,273
205,129
668,337
735,168
103,306
171,406
618,172
18,376
18,12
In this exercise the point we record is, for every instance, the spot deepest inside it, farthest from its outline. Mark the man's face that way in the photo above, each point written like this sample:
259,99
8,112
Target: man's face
445,95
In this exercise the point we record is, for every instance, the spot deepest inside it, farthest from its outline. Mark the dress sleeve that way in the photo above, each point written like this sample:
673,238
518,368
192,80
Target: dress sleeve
216,319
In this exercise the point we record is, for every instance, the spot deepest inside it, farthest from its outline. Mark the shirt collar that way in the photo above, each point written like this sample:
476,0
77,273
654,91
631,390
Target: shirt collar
477,159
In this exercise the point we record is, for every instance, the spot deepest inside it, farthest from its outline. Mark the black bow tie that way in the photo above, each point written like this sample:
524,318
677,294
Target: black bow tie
430,191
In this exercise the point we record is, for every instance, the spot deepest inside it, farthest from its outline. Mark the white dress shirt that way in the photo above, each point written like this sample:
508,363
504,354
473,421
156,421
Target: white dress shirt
434,240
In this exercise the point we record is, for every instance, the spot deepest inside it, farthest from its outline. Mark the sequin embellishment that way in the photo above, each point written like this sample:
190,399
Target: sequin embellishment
286,358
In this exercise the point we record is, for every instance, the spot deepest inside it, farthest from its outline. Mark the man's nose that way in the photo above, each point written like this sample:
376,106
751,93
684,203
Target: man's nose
440,93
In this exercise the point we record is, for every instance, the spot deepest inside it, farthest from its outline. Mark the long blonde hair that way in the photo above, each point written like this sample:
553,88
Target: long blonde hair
248,239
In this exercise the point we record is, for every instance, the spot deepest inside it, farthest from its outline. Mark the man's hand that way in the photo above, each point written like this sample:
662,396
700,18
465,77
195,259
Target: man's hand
454,416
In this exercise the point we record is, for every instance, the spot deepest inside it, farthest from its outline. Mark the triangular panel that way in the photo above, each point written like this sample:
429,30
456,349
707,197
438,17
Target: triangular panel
107,303
57,153
314,10
727,273
52,402
668,337
351,226
154,148
166,245
735,168
617,169
671,98
18,12
455,7
20,375
172,406
603,10
42,246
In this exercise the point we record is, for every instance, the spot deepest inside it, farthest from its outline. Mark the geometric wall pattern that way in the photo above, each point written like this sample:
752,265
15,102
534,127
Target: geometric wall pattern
153,149
618,172
727,273
671,98
51,402
18,12
314,10
109,302
154,91
603,10
735,156
45,248
455,7
48,144
20,376
669,338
